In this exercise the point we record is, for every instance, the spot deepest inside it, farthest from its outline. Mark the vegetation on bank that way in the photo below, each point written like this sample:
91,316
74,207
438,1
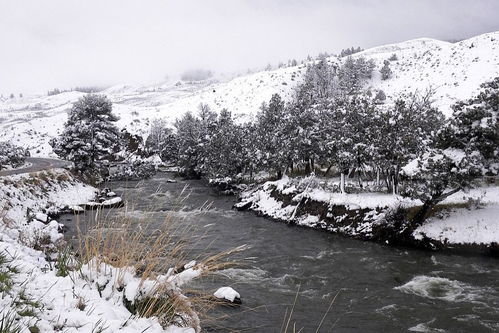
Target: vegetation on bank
50,284
332,126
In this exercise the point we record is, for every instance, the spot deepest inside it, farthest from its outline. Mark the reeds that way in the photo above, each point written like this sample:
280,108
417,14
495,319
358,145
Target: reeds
157,252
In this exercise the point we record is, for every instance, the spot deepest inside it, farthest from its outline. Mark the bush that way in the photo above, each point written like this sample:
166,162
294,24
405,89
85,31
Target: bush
11,155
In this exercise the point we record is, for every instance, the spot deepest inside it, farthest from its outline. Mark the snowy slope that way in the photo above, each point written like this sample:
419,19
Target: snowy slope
455,71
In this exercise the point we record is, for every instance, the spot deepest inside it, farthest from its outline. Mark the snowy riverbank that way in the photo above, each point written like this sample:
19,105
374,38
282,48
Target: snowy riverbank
44,289
464,219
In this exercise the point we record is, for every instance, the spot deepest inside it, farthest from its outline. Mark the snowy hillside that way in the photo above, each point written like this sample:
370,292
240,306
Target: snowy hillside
455,71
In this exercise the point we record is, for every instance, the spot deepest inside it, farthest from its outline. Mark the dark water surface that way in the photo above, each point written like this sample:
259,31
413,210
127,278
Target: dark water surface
381,289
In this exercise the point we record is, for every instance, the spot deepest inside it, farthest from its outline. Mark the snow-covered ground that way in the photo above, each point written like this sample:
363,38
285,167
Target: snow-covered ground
454,70
470,219
36,297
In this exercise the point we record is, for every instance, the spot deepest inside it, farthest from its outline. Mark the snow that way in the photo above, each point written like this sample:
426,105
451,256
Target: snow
226,293
88,299
111,202
459,226
455,71
463,226
41,217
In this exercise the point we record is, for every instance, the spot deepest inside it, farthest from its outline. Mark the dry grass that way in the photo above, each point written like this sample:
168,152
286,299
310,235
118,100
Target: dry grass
153,248
288,326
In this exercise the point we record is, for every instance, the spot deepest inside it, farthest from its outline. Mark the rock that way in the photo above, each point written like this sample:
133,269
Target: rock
228,294
112,203
76,209
42,217
111,194
243,205
115,202
92,205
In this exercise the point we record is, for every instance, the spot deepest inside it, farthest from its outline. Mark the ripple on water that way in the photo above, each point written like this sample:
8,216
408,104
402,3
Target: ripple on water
444,289
425,328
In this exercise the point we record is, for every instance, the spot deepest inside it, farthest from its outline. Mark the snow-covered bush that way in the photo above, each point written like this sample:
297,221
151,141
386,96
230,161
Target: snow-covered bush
11,156
385,71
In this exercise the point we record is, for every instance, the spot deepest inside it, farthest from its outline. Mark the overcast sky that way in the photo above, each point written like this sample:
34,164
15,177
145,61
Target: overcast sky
64,43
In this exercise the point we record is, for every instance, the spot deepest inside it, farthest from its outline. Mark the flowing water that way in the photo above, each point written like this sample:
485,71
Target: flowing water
377,288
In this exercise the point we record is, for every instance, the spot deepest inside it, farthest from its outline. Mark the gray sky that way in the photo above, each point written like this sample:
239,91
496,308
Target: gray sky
64,43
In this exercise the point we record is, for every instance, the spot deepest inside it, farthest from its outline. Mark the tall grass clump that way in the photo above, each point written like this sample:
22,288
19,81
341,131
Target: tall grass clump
153,252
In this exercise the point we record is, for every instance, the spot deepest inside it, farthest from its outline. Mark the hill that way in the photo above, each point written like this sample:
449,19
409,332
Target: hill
454,70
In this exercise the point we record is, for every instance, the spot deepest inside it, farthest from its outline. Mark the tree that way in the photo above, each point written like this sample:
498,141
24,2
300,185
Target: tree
437,174
466,149
385,71
393,57
11,155
270,136
90,136
188,137
405,131
224,151
353,73
380,97
162,141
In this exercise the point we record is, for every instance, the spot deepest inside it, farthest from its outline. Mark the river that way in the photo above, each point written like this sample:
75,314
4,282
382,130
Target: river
379,288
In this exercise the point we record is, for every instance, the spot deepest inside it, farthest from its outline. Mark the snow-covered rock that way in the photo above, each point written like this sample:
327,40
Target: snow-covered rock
41,217
228,294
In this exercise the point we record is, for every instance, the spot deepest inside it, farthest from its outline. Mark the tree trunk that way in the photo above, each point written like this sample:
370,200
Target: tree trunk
428,205
396,180
307,166
328,169
342,182
421,214
377,176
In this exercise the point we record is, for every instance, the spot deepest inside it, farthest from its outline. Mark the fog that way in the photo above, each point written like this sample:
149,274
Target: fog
67,43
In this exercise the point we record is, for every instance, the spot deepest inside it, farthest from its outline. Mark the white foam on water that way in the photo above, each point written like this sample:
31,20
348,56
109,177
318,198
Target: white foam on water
424,328
245,275
443,289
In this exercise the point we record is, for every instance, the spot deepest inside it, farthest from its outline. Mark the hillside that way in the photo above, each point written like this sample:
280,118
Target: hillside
455,71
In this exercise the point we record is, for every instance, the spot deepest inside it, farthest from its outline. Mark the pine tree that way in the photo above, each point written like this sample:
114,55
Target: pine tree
385,71
188,137
270,136
406,130
11,155
162,141
466,149
90,136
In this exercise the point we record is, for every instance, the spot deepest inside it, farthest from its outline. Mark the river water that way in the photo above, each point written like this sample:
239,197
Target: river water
377,288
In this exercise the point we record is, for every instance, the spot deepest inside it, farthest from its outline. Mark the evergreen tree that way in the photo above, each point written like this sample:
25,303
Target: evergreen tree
406,130
466,149
270,136
188,137
90,136
353,73
162,141
385,71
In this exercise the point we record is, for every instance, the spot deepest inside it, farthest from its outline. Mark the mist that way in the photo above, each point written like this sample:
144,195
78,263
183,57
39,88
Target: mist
67,43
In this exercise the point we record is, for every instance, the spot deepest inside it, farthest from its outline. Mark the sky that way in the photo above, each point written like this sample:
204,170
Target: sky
67,43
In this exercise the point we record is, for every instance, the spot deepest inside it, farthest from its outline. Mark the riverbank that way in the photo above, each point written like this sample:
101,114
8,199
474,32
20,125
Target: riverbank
46,288
463,221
